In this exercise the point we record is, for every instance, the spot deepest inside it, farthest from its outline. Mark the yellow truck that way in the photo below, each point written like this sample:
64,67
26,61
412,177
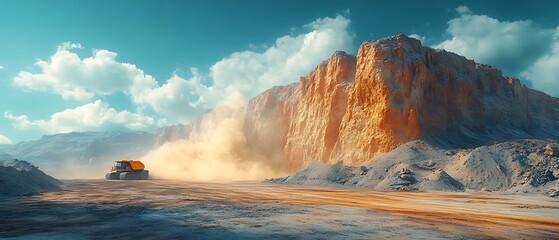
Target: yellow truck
127,170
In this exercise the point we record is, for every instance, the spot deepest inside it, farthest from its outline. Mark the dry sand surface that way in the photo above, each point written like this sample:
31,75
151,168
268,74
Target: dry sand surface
156,209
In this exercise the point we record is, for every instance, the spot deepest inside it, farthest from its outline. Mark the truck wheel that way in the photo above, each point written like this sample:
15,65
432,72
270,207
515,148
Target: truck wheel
136,175
144,175
112,176
126,176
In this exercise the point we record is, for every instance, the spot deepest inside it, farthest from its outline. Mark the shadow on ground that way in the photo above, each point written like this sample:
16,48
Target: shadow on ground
24,219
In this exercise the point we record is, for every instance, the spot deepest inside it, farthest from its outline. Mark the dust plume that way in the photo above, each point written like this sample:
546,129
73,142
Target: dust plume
72,168
218,151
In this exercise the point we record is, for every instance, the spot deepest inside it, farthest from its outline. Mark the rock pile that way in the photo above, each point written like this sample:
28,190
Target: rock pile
20,178
514,167
552,150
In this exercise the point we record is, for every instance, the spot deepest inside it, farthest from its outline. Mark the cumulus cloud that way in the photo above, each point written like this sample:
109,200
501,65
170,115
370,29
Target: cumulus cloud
73,78
69,46
510,46
249,72
179,99
544,73
96,116
463,9
79,79
5,140
288,59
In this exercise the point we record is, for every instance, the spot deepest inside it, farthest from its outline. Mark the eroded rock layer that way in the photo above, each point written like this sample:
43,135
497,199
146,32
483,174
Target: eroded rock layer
350,109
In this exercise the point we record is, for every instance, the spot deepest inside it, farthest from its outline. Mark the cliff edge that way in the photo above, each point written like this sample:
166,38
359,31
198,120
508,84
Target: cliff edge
352,108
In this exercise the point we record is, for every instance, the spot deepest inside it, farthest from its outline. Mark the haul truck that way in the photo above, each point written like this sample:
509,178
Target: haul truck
127,170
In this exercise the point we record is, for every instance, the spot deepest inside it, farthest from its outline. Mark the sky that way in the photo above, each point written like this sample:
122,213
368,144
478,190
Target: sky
137,65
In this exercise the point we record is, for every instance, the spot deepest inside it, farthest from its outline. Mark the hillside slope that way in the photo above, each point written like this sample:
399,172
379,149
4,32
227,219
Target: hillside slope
519,166
19,178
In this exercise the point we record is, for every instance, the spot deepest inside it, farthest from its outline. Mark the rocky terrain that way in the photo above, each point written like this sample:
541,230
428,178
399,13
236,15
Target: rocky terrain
158,209
79,155
401,116
521,166
351,109
20,178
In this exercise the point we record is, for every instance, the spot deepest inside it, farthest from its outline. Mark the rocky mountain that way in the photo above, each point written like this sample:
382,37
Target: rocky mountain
80,154
22,178
350,109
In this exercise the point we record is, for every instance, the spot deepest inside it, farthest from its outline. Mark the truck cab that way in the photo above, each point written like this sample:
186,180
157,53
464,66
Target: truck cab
121,166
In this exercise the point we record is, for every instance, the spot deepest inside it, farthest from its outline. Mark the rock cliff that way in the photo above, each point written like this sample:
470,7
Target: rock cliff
352,108
349,109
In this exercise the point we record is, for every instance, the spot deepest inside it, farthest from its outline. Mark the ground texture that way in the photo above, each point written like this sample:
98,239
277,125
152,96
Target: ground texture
90,209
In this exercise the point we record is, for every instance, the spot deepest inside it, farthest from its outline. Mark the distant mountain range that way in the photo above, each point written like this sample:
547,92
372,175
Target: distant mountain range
79,154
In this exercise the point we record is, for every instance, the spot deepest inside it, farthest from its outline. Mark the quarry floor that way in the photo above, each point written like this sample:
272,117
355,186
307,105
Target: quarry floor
157,209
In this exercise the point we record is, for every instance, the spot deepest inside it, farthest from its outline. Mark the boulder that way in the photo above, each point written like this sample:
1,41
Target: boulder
407,175
553,193
364,170
552,150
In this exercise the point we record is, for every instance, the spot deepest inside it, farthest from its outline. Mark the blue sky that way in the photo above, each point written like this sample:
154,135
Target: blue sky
72,65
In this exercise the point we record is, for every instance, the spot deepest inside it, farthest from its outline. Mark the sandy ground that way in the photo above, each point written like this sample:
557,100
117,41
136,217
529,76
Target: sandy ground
158,209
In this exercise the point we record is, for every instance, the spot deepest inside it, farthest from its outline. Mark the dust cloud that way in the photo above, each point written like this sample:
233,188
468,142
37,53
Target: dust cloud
72,168
217,151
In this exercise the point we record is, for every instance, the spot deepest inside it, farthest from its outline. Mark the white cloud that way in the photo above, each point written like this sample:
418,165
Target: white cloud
68,46
79,79
418,37
1,67
463,9
5,140
288,59
96,116
73,78
544,73
510,46
249,72
178,99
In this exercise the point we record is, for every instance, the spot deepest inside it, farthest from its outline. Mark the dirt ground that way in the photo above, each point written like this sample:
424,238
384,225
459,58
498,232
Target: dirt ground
156,209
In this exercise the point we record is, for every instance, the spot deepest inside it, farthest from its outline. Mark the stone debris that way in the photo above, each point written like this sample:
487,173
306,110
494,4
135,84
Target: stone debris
407,175
552,150
430,163
364,170
517,167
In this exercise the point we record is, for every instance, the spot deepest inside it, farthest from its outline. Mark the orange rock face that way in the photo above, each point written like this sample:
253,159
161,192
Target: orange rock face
352,108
